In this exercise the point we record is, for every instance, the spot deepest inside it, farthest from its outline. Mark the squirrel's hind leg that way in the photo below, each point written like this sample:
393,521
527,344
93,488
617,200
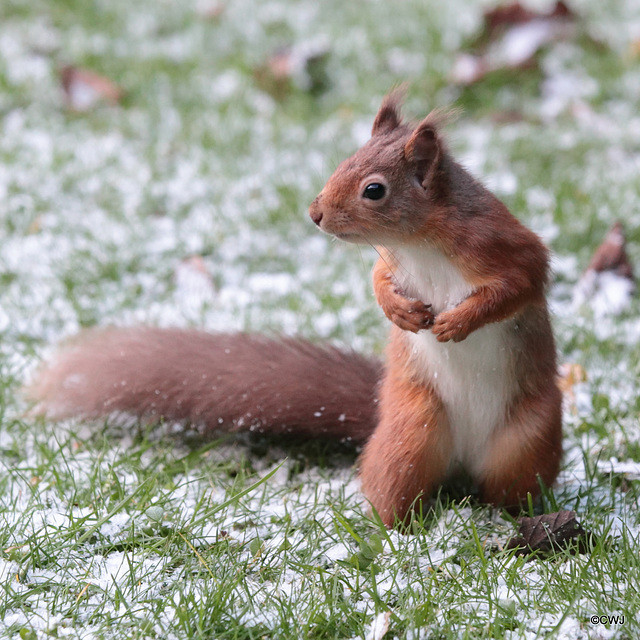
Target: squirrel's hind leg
526,451
409,452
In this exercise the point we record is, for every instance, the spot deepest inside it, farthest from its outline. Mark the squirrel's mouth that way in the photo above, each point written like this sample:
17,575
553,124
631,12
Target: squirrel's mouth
350,237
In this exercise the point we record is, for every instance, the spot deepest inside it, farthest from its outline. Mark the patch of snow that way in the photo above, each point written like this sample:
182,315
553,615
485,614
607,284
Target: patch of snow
605,292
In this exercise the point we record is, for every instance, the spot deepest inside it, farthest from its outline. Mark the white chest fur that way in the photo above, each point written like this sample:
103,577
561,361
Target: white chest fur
474,378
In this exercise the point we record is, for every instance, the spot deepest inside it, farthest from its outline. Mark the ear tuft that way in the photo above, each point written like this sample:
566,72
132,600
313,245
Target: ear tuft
424,147
389,115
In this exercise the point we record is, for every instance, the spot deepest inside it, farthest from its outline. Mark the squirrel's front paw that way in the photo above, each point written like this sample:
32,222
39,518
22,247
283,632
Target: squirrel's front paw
408,313
447,327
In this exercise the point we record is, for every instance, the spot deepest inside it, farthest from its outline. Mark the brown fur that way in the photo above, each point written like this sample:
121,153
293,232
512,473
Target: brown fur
526,451
224,382
432,202
408,455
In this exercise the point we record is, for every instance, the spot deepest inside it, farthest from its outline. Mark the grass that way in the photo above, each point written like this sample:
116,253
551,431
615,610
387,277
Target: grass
108,533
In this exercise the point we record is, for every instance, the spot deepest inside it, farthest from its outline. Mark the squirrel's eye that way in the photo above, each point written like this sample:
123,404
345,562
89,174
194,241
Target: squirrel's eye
374,191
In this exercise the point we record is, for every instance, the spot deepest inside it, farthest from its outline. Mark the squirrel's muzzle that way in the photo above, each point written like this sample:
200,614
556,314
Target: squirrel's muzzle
315,212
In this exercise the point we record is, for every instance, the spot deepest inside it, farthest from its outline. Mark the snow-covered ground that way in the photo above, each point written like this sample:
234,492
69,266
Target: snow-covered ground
185,205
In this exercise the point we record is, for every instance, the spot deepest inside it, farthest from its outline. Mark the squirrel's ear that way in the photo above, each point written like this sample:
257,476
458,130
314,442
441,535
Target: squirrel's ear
423,149
389,115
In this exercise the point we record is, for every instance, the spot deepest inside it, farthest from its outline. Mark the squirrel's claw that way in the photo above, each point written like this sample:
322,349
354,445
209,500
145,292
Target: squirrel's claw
446,328
409,314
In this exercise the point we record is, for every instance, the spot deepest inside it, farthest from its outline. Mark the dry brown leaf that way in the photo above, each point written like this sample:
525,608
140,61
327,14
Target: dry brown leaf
570,374
548,532
511,14
85,89
35,226
302,65
379,626
511,38
634,50
611,255
608,283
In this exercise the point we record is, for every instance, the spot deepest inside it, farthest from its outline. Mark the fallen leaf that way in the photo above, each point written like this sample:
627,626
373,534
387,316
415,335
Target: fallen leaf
634,50
35,226
379,626
569,375
302,65
514,13
84,89
548,532
608,283
511,38
611,255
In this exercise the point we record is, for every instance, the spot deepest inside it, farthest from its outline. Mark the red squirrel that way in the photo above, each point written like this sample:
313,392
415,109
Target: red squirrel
470,375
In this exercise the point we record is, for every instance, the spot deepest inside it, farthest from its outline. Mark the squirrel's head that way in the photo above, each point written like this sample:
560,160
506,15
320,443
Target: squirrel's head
383,192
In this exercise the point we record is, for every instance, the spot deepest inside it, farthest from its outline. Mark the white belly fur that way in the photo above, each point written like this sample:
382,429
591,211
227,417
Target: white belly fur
474,378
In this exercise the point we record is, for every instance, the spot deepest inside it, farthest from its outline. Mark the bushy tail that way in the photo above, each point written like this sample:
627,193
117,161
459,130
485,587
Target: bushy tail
222,382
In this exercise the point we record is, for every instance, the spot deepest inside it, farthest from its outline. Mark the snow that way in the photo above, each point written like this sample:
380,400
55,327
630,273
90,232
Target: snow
630,470
186,231
606,293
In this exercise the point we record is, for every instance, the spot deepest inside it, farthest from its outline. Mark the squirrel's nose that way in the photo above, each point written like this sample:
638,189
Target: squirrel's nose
315,212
